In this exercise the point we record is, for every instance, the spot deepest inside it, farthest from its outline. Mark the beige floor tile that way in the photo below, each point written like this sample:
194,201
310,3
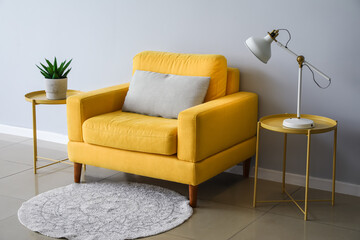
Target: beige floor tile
226,188
59,167
26,184
216,221
278,227
23,153
90,174
48,145
235,190
7,139
12,138
345,213
126,177
11,228
9,206
224,206
166,236
10,168
93,174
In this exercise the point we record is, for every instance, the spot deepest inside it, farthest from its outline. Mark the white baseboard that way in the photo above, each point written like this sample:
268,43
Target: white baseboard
299,180
41,135
267,174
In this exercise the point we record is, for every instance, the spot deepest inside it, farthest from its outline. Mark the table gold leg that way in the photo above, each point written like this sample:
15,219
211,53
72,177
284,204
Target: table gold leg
307,173
284,164
256,161
34,133
334,168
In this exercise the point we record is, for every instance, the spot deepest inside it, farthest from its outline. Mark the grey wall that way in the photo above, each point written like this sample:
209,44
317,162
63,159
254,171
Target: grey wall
103,36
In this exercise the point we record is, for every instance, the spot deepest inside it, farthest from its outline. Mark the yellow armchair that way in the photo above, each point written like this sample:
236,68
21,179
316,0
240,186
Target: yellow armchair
204,141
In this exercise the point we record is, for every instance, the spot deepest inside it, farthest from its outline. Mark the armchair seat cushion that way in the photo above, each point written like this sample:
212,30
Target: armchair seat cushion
132,131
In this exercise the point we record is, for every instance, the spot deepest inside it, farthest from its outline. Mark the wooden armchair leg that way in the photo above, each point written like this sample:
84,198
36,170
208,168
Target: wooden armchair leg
246,167
193,195
77,172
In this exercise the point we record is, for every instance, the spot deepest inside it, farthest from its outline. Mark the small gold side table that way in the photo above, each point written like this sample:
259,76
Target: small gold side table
274,123
36,98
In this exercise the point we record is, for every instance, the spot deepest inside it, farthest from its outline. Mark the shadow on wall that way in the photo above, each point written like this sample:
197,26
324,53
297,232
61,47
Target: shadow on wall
269,90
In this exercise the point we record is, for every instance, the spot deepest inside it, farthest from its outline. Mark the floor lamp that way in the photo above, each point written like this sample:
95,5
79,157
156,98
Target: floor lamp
261,48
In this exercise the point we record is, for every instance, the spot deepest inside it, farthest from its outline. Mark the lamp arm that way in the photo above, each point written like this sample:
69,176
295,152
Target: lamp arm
317,70
286,48
305,62
301,61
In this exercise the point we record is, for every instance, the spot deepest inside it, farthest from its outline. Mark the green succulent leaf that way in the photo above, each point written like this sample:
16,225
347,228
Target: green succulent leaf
53,71
61,68
49,63
55,66
42,70
45,75
45,68
66,73
50,70
67,64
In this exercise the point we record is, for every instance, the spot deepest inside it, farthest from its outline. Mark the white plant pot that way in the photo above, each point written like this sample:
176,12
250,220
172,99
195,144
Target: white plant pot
56,88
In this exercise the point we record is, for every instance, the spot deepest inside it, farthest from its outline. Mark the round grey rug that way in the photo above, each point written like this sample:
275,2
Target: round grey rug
104,211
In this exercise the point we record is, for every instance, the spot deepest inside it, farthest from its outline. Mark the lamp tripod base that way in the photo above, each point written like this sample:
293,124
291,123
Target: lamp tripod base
300,123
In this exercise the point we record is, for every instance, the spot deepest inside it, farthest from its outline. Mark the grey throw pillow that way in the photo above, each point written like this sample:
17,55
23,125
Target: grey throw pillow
164,95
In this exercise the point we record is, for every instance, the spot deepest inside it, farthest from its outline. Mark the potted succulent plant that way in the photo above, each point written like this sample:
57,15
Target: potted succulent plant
55,78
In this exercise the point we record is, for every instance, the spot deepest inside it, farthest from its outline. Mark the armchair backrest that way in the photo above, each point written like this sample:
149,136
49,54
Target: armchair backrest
210,65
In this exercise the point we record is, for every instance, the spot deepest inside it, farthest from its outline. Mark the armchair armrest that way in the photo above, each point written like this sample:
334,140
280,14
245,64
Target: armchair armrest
214,126
86,105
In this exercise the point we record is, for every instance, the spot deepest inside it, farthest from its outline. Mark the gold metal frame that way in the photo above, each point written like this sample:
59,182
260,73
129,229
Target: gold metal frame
36,98
274,123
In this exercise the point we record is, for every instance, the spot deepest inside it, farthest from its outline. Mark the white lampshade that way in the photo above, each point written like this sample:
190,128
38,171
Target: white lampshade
260,47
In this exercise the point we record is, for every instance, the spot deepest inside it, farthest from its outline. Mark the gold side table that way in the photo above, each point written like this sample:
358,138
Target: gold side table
274,123
36,98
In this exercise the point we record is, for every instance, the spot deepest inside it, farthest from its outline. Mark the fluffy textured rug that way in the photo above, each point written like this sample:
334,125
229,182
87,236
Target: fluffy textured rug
104,211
